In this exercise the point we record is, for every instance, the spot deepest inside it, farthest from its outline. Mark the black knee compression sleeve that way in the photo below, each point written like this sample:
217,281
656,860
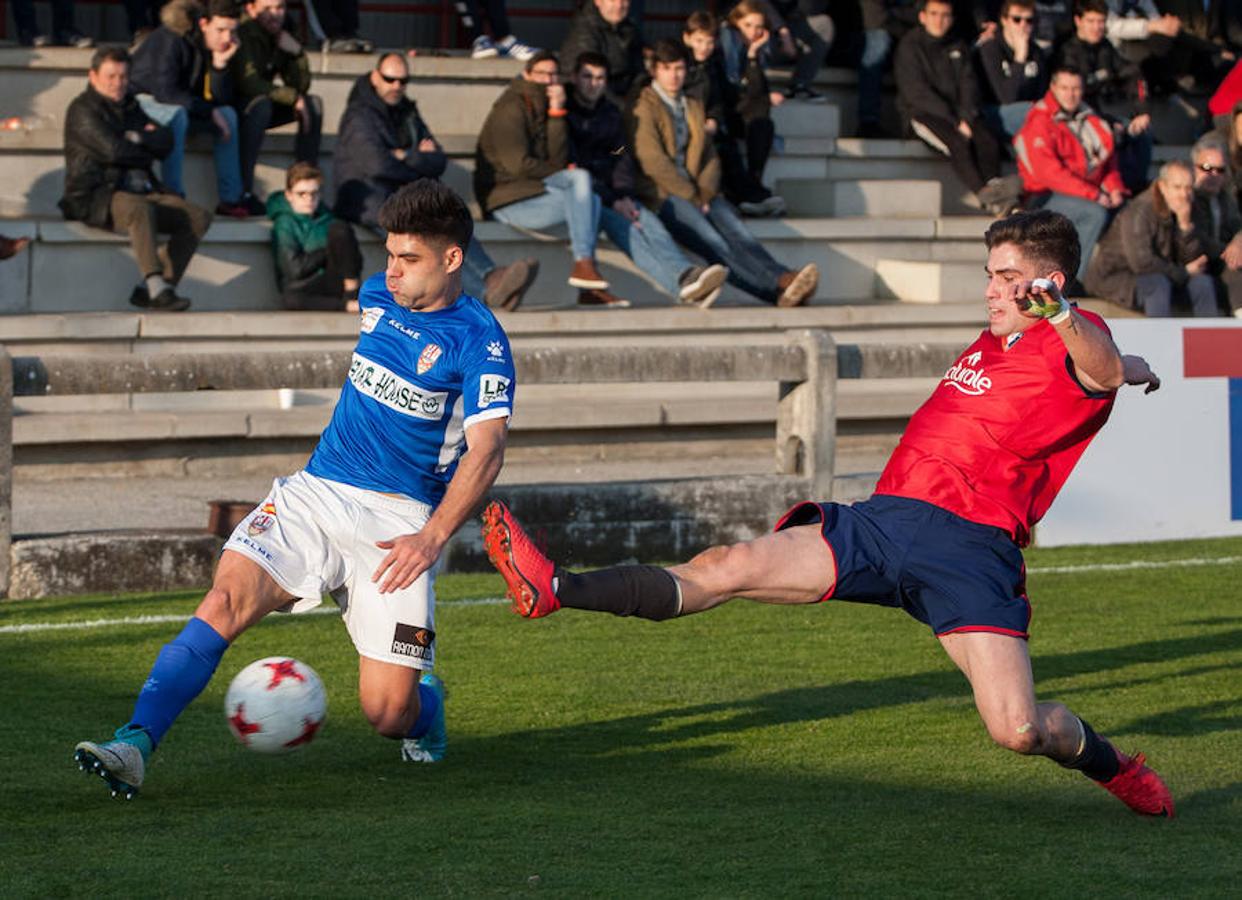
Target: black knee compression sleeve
648,592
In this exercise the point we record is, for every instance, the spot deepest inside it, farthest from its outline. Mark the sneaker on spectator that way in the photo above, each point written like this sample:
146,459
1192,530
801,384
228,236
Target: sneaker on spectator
168,300
74,38
797,287
349,44
584,275
140,297
700,286
235,210
804,93
771,205
504,286
515,49
254,206
602,298
483,48
29,39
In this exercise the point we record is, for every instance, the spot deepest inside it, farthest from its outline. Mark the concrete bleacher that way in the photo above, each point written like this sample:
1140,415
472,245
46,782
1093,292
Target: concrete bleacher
897,242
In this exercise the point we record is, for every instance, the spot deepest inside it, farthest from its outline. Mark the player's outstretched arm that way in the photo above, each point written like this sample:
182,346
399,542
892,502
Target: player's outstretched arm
1139,372
1097,362
409,555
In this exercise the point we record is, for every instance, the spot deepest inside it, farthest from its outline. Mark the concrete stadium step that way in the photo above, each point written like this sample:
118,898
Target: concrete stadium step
114,419
929,281
861,197
233,268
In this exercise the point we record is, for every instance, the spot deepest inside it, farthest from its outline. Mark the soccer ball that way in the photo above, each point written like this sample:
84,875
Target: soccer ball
275,705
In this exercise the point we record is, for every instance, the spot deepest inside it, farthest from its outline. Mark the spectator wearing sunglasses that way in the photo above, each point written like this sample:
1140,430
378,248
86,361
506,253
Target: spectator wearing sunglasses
382,144
1013,69
1217,219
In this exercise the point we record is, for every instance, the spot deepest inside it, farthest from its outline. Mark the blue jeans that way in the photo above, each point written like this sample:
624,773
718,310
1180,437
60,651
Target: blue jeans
876,44
722,237
1089,220
1155,294
228,167
476,266
569,199
647,243
1007,118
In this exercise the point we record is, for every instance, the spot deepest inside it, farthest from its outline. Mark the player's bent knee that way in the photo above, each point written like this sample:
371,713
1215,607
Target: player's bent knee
222,609
390,718
1023,737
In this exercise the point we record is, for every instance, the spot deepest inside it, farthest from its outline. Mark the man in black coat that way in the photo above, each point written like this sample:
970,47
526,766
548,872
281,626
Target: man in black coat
181,79
938,97
605,27
110,148
382,144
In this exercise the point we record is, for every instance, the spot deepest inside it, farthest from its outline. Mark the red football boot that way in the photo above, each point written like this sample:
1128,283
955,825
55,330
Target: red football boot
527,572
1139,788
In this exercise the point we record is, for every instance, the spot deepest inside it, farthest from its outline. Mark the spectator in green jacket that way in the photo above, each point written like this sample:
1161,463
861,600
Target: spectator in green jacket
318,262
271,78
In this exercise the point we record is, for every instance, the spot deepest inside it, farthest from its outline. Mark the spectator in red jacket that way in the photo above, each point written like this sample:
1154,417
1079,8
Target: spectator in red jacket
1067,159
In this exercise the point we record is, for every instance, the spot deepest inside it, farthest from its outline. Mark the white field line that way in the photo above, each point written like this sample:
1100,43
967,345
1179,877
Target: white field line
1136,564
327,609
493,601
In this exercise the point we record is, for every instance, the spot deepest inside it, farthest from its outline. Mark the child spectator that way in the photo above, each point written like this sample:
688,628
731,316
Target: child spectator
318,262
748,102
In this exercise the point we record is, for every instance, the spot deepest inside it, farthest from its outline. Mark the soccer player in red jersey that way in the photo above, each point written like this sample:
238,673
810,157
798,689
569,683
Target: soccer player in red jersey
978,465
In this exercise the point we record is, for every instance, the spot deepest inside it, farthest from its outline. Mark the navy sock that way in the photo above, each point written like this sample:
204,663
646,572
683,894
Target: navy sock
428,707
1098,759
180,673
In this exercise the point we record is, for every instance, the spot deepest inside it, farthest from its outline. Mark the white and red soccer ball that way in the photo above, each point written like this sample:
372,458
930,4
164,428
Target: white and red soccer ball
276,705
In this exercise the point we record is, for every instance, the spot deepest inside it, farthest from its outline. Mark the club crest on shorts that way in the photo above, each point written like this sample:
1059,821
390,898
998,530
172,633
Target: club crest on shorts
428,357
259,524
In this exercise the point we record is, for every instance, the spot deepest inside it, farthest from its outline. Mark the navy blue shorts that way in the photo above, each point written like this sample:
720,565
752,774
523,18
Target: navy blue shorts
947,572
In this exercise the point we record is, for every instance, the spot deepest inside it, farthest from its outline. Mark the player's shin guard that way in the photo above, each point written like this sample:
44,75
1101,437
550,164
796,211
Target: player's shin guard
180,673
1096,757
648,592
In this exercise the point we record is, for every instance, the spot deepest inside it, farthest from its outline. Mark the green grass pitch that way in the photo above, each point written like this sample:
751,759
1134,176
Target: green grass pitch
754,751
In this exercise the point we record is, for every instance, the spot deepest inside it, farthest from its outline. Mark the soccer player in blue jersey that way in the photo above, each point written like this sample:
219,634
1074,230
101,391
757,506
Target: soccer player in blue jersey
416,440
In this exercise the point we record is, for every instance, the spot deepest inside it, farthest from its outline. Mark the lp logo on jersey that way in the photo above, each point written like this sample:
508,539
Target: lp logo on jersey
370,318
493,389
967,379
428,357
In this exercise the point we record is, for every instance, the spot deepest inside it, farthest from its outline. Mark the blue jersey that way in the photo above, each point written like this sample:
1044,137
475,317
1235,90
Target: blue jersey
416,382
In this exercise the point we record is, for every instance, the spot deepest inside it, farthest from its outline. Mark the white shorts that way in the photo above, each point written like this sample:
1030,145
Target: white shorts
315,536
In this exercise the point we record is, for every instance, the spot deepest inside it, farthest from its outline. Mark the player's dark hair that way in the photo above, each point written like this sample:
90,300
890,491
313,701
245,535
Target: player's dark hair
668,51
1082,7
541,56
1044,236
428,210
224,9
108,54
591,58
701,20
301,171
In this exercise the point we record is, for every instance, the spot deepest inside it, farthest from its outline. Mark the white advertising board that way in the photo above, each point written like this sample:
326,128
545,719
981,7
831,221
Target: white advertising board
1168,465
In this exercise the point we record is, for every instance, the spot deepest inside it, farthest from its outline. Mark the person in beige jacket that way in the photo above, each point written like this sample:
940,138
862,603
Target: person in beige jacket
522,175
680,181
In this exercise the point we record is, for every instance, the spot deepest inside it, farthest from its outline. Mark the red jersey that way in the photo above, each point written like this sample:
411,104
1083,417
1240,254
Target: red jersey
1001,432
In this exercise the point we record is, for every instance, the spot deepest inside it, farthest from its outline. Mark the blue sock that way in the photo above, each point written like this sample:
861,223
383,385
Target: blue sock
181,671
428,707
